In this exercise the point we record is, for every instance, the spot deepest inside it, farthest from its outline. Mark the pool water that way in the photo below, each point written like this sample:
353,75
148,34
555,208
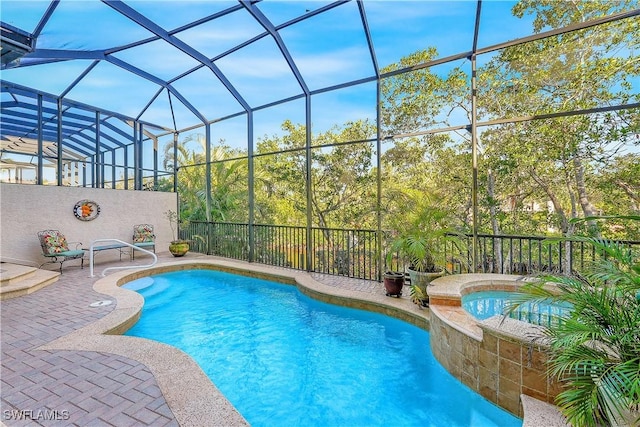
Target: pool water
485,304
284,359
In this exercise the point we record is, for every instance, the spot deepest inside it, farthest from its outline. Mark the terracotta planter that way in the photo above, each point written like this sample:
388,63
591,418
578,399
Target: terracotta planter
179,248
393,282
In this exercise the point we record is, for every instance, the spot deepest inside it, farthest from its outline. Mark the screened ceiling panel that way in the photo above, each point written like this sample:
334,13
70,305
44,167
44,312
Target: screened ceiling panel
112,88
158,58
160,111
88,25
171,15
213,38
6,97
19,116
207,94
23,14
59,75
143,46
280,12
258,66
330,48
419,24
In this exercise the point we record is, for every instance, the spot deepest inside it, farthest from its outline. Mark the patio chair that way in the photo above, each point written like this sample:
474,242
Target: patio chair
56,248
143,237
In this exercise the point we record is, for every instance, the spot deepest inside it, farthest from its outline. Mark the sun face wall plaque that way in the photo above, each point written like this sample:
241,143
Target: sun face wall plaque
86,210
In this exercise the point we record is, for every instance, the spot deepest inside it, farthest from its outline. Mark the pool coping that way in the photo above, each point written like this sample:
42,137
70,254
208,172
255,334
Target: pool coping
190,394
445,296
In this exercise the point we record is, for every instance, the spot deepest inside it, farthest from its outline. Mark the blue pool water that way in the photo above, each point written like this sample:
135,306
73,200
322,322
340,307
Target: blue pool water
284,359
485,304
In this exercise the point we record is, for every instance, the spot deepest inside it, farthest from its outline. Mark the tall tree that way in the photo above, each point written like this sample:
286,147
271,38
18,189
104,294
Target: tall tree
578,70
342,178
416,164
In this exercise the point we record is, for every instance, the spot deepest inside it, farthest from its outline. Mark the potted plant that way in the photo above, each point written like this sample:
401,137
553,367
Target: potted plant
419,251
418,244
177,247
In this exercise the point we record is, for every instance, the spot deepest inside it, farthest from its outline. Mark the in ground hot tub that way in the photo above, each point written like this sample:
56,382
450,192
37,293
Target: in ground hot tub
485,304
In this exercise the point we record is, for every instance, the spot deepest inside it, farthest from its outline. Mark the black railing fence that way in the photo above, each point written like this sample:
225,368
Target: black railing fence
508,254
229,240
354,253
343,252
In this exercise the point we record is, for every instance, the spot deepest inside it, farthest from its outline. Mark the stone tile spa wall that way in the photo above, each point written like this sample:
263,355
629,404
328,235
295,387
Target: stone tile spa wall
499,358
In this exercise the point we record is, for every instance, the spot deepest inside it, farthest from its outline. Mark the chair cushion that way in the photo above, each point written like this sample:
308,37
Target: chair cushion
143,233
144,244
72,253
55,243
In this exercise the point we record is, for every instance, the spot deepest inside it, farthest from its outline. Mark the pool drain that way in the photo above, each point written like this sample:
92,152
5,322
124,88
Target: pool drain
101,303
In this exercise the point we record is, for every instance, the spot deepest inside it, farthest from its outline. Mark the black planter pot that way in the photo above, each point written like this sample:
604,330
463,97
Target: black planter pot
393,282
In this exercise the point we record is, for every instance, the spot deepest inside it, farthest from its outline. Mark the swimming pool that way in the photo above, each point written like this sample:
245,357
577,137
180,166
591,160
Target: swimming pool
485,304
282,358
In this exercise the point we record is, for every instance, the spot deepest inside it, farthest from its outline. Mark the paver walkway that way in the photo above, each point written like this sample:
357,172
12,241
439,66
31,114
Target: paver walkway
62,388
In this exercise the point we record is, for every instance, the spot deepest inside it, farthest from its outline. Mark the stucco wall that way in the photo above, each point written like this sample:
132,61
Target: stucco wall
27,209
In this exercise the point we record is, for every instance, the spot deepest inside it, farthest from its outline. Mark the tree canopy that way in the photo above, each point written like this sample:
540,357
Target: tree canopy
537,167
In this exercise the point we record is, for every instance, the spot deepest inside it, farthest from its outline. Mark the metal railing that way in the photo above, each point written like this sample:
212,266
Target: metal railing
354,253
120,243
524,255
343,252
229,240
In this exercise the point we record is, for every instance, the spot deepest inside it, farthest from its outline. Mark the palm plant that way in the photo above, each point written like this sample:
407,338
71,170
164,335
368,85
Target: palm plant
594,349
420,239
419,244
227,174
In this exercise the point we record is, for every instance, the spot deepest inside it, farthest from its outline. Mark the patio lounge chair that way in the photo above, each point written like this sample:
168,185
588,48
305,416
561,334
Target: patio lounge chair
143,237
55,247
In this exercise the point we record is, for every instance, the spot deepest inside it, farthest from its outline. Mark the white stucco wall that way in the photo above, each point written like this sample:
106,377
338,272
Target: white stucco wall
27,209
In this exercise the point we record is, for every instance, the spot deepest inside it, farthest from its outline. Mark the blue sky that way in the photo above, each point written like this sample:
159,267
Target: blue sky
328,49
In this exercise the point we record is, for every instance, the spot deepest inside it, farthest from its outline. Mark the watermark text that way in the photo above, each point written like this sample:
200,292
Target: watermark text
37,415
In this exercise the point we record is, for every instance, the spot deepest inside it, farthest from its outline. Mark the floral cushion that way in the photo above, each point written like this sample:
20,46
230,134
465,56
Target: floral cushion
143,233
53,242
